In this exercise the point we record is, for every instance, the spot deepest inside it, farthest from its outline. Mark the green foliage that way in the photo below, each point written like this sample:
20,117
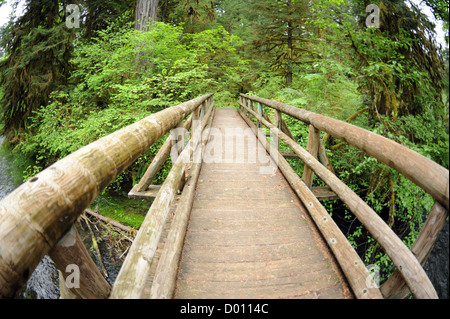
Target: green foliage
37,51
196,15
217,49
123,76
130,212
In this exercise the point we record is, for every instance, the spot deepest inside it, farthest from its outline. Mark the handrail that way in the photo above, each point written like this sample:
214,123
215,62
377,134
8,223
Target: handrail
430,176
402,257
37,214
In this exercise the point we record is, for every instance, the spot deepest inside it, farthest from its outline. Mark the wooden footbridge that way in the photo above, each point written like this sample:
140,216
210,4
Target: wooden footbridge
231,220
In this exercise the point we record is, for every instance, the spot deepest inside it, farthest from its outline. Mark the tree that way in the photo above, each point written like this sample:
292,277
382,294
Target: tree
38,47
146,13
401,66
98,14
440,11
196,15
281,33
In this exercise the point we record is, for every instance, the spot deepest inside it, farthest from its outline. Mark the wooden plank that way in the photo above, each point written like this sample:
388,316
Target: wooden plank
288,286
248,237
149,194
254,193
253,253
227,223
401,256
250,271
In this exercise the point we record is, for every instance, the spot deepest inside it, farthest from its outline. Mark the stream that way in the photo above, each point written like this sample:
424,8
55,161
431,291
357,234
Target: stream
44,282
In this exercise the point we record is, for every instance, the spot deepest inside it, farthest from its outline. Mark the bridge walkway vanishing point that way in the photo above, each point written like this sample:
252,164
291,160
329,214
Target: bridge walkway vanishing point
249,236
232,218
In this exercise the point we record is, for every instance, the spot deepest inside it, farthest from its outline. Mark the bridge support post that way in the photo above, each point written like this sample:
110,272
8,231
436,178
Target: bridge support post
79,276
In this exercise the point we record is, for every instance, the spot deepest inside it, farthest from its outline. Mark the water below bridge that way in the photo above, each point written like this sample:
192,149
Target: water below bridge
44,283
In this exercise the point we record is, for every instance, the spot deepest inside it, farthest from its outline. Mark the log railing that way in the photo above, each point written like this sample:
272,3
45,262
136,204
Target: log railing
35,219
428,175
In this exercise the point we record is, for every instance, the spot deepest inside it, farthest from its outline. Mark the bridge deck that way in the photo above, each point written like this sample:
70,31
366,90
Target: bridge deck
249,236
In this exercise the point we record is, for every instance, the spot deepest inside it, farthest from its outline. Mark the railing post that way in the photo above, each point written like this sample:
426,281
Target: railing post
313,149
323,157
278,123
260,112
202,109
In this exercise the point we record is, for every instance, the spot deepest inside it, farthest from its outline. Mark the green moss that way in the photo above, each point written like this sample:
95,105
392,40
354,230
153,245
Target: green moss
129,212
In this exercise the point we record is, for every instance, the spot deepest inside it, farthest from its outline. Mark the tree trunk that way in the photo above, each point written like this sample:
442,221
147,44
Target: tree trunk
145,10
290,47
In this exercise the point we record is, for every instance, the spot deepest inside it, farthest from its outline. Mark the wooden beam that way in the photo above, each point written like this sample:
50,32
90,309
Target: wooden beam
430,176
149,194
323,157
313,149
359,279
401,256
323,193
287,154
36,215
72,259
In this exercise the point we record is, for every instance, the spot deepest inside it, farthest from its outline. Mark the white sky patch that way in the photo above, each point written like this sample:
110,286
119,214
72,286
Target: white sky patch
425,9
6,10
